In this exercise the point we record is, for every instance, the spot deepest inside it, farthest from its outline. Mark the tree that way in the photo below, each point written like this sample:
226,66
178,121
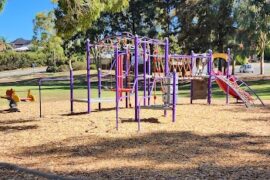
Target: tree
7,46
46,38
253,17
204,24
74,16
2,4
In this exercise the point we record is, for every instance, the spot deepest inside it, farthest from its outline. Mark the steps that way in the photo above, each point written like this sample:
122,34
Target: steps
242,90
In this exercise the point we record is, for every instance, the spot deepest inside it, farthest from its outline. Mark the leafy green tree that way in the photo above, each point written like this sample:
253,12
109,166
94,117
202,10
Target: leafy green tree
74,16
45,38
43,27
139,18
253,18
7,46
204,24
2,4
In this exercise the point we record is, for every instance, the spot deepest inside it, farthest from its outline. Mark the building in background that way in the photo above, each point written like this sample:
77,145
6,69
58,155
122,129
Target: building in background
21,44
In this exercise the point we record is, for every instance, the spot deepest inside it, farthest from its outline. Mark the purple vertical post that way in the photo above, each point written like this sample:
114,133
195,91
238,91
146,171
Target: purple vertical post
191,81
71,84
166,71
149,80
117,85
99,88
166,56
40,100
136,80
228,74
126,75
88,60
174,97
144,73
209,70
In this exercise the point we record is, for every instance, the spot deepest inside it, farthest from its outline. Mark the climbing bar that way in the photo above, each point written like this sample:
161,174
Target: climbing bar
175,56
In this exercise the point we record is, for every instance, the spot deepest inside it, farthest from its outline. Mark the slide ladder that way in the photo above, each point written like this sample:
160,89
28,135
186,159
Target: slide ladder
239,90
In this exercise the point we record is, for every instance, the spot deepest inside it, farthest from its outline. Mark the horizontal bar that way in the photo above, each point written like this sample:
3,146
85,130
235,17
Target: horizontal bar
102,45
95,100
152,42
156,107
176,56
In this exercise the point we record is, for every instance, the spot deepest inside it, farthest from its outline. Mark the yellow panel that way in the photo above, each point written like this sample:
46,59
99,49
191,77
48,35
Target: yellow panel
15,97
31,98
220,55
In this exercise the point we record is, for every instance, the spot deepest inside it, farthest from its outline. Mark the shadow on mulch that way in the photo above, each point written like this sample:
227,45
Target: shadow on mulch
243,109
16,121
162,148
75,114
17,128
92,111
184,146
203,171
261,119
12,171
6,111
146,120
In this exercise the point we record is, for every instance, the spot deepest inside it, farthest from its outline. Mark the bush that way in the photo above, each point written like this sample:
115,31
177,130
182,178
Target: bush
63,68
78,65
93,66
241,59
51,69
13,60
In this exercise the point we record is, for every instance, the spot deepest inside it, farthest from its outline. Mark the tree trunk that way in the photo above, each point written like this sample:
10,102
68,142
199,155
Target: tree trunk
262,63
233,67
262,46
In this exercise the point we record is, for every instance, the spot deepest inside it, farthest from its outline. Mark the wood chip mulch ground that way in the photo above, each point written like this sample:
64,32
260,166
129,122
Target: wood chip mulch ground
206,142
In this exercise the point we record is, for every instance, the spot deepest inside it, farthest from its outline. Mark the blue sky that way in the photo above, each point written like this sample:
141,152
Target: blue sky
17,18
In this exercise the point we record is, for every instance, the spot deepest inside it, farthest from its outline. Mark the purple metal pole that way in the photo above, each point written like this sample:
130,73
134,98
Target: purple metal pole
228,74
117,85
166,71
40,100
210,77
174,97
88,60
149,80
71,90
191,81
166,56
136,80
144,73
99,87
126,75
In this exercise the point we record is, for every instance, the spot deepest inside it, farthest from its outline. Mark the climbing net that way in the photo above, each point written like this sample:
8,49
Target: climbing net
182,65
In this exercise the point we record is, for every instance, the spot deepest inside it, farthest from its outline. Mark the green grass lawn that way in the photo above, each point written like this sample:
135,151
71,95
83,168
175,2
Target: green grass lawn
54,90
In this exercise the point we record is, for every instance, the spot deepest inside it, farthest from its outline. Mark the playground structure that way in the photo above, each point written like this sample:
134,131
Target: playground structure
14,99
126,81
140,69
130,54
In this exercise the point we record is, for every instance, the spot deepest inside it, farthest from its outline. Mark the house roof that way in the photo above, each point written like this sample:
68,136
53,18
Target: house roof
21,41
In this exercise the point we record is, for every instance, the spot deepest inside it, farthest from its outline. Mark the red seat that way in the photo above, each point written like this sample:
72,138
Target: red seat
123,90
